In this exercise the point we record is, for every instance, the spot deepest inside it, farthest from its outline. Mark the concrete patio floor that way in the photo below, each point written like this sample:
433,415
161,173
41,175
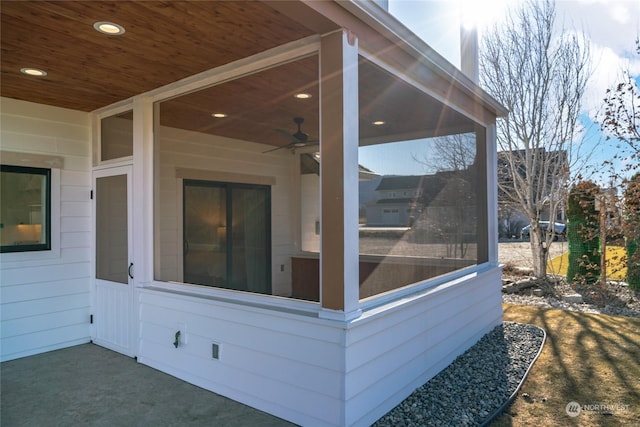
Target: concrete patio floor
88,385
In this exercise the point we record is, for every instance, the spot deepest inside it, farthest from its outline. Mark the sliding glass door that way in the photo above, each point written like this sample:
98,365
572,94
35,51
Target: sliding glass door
227,235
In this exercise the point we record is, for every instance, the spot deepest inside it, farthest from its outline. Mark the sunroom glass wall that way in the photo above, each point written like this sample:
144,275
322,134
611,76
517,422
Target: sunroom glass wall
423,210
224,179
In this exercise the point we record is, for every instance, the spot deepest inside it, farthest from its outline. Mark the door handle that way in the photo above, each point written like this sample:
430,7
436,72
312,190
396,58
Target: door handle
129,270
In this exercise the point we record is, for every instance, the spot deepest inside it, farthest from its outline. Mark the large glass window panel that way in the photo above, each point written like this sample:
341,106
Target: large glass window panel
423,211
116,136
25,209
238,136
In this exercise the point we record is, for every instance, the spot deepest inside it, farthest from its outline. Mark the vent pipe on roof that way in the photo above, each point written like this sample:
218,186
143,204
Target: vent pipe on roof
469,52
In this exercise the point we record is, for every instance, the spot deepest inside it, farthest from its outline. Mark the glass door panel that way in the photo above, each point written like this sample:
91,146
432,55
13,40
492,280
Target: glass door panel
227,241
205,223
250,248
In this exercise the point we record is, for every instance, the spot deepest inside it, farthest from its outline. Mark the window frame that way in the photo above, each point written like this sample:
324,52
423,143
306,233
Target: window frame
39,247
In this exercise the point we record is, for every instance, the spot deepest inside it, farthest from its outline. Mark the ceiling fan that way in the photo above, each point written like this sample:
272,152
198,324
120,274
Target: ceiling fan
298,139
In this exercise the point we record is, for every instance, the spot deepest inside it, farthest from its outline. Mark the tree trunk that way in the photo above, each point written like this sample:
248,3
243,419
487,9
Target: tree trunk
540,252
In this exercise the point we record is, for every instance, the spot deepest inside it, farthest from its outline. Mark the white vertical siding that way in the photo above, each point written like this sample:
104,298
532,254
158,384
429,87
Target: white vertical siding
45,296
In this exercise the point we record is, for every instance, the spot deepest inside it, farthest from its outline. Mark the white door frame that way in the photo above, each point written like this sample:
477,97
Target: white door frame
114,324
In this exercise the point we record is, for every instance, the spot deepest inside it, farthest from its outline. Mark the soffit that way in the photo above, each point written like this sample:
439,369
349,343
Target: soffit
168,41
164,42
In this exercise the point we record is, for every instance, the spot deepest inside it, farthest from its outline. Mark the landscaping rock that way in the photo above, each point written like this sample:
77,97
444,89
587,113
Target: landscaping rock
471,390
573,298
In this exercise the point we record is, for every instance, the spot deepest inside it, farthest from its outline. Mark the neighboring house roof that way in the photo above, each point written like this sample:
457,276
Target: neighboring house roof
429,187
409,182
394,201
310,163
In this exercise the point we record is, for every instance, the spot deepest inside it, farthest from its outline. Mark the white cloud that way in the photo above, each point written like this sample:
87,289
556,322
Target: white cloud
608,69
612,26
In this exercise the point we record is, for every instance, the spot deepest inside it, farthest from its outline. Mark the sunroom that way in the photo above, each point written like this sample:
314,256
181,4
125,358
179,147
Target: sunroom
229,246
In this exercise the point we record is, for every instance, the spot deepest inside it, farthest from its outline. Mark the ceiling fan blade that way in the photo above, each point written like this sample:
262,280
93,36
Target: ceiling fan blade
285,133
298,139
277,148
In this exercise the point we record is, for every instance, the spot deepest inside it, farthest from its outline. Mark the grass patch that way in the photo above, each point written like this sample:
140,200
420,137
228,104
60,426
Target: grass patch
591,359
616,266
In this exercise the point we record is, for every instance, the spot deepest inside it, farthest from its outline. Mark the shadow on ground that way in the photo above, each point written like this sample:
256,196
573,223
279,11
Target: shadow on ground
590,359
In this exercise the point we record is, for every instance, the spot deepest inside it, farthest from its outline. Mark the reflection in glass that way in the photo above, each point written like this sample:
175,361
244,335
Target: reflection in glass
226,235
425,214
205,225
416,226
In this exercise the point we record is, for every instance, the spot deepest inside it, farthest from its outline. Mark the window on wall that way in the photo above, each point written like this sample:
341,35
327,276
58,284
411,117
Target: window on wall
227,235
25,209
116,136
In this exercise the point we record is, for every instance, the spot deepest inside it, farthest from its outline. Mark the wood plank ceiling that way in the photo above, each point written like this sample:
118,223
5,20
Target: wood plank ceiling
165,41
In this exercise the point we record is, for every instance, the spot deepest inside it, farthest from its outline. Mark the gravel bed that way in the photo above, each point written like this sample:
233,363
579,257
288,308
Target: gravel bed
476,385
616,299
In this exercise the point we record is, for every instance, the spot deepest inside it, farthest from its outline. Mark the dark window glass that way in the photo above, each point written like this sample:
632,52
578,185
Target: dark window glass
227,235
25,209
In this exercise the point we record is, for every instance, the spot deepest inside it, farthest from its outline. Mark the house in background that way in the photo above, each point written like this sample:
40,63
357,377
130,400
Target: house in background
397,201
156,199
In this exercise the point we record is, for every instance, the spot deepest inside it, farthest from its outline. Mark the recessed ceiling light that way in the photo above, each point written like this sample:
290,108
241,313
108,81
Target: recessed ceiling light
302,95
219,115
109,28
378,122
33,72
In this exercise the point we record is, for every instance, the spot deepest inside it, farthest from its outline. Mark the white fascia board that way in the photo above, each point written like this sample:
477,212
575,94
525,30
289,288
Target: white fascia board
387,25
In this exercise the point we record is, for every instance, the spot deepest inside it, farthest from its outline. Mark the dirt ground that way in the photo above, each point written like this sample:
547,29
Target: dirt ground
518,253
515,252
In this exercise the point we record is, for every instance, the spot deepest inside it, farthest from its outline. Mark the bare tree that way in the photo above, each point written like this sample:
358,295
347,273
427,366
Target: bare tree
620,121
452,158
539,74
451,153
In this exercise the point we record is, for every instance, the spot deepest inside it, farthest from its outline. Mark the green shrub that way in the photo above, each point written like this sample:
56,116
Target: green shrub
583,233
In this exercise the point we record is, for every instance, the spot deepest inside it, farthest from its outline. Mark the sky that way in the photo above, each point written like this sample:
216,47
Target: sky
611,26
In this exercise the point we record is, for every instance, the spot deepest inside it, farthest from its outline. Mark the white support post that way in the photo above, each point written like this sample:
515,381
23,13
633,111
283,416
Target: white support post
143,190
339,269
492,193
